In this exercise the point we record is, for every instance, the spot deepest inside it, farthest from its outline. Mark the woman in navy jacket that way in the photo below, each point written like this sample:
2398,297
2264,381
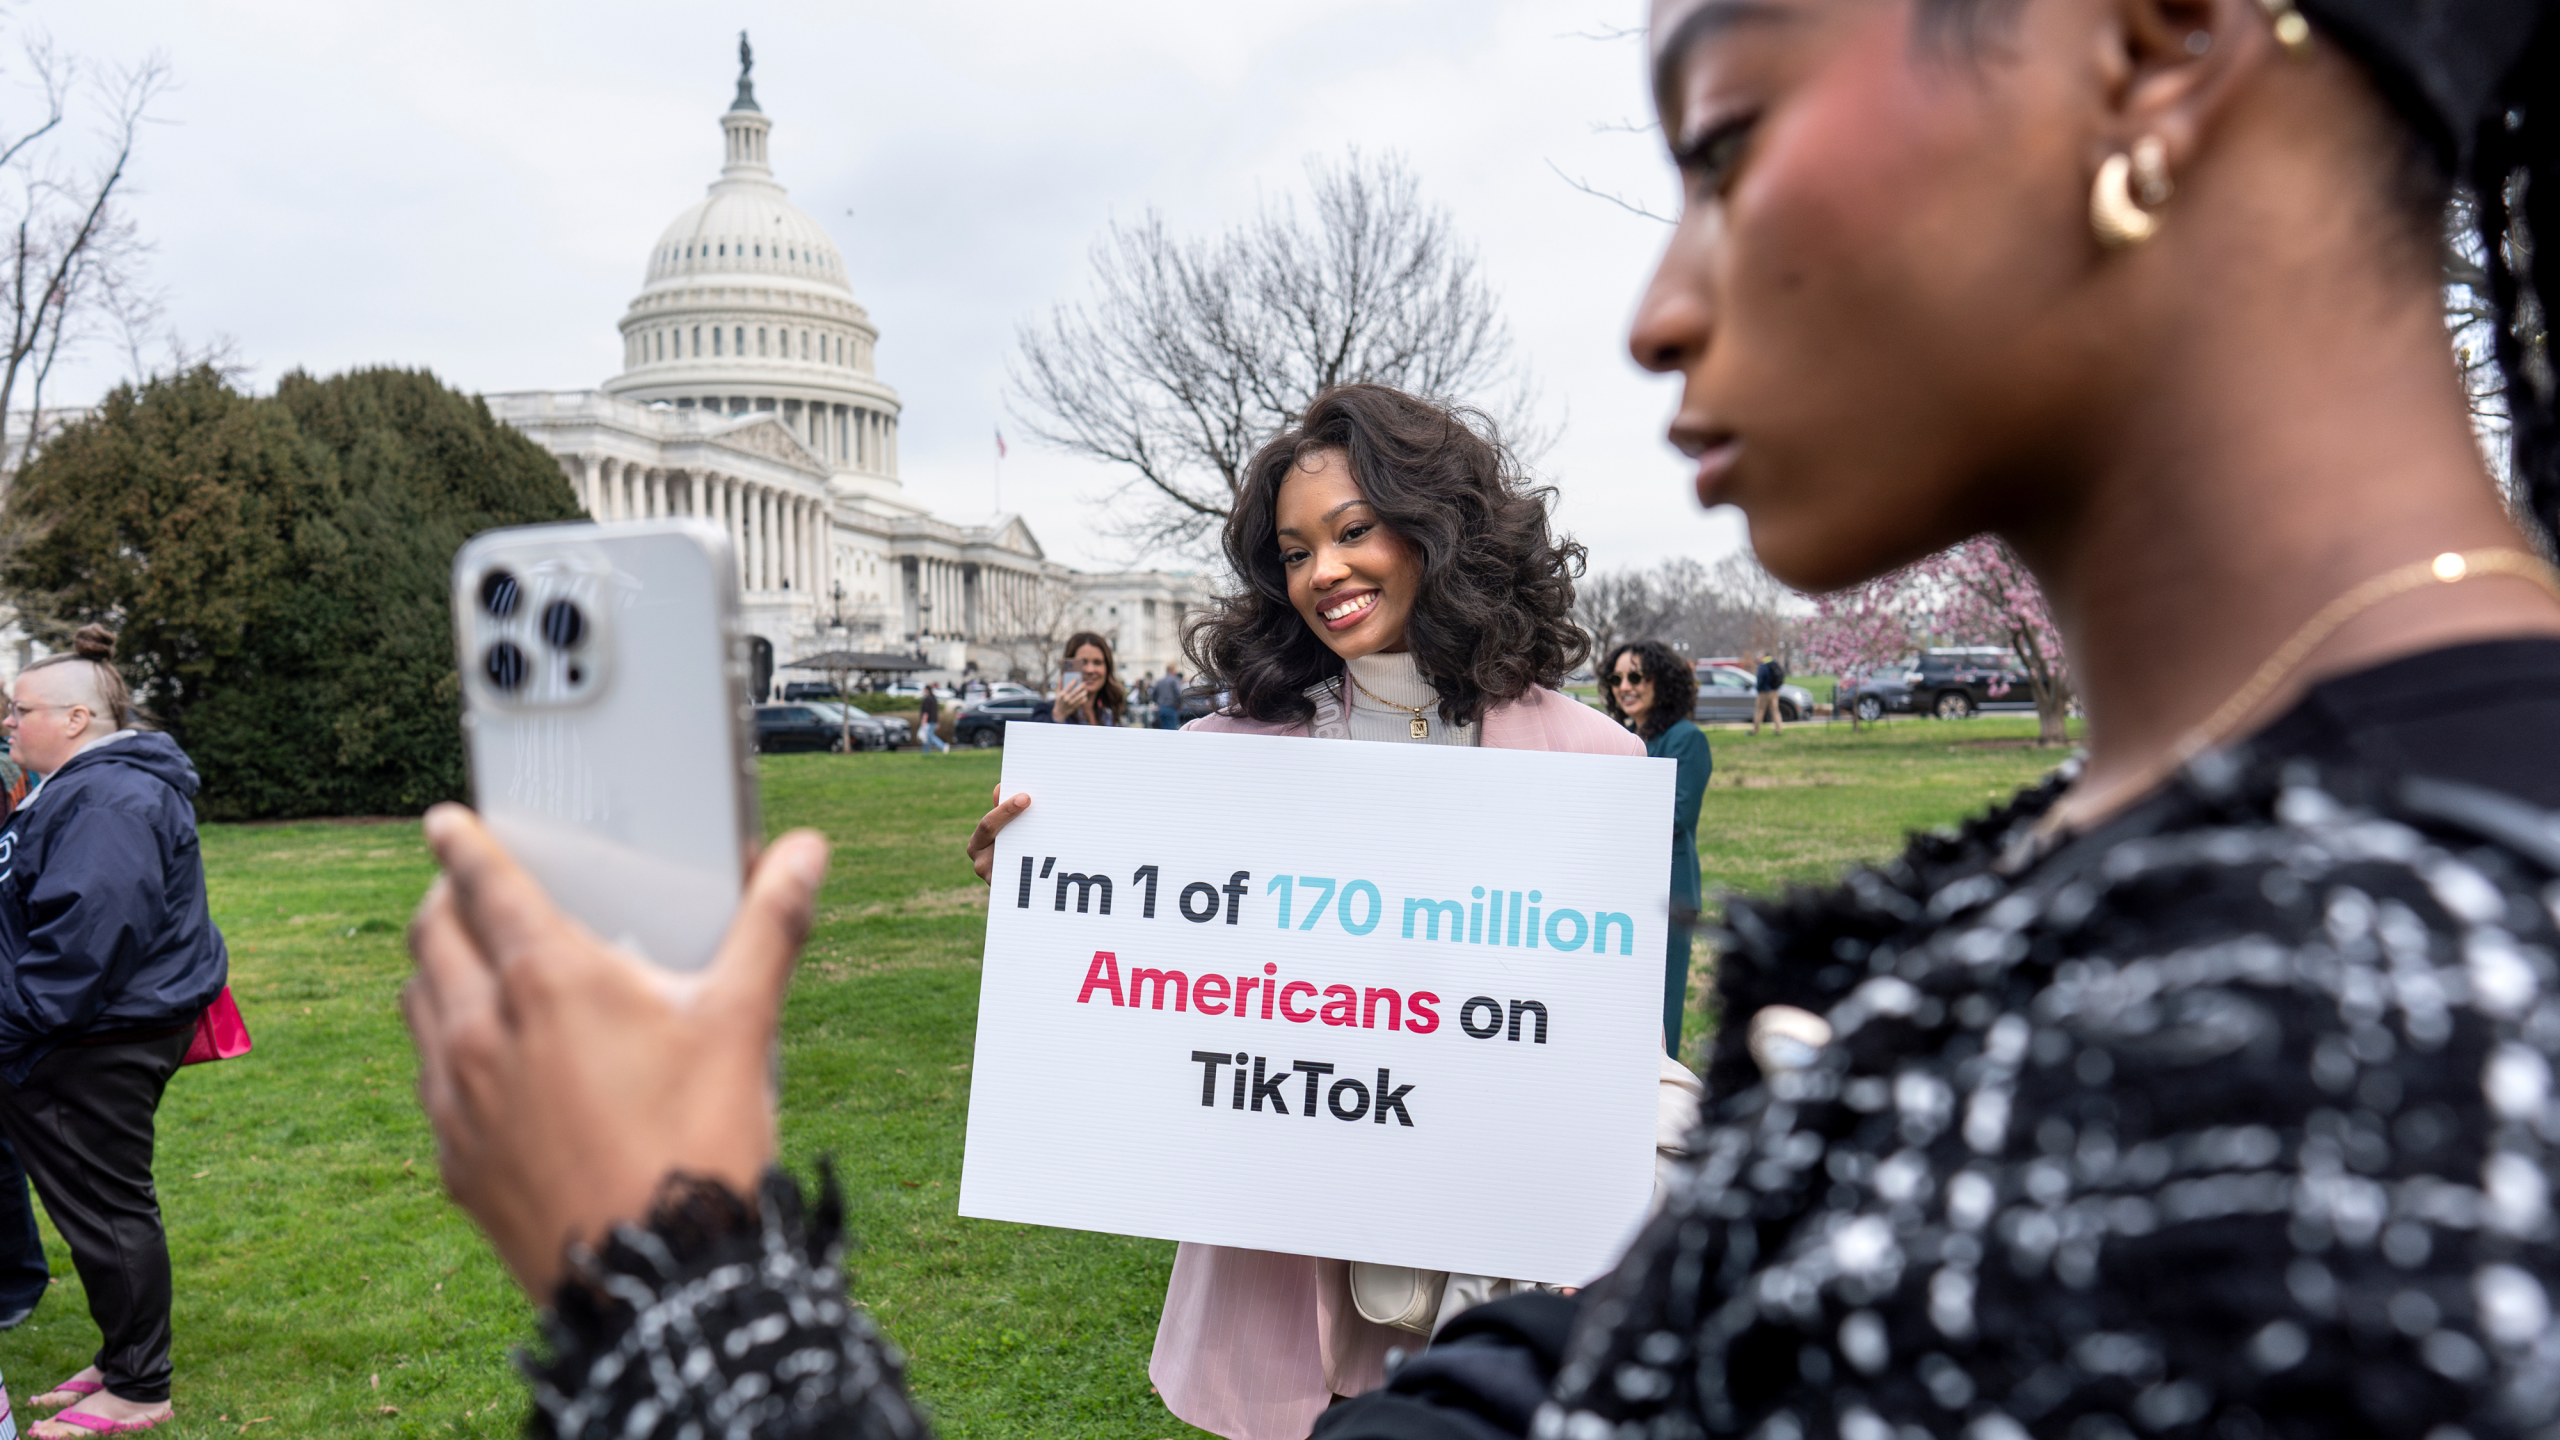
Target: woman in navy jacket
107,958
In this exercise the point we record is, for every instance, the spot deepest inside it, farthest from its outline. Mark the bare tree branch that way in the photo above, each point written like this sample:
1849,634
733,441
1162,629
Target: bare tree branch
1623,203
1191,352
71,269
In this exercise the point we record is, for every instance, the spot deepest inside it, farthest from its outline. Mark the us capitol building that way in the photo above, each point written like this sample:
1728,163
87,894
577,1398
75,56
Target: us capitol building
748,395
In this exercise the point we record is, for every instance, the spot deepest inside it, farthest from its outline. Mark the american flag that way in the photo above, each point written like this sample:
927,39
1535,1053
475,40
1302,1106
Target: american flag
1000,450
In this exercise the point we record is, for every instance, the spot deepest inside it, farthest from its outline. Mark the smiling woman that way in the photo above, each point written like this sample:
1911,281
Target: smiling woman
1384,525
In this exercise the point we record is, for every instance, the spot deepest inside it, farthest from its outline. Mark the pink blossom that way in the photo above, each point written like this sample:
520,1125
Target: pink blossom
1977,593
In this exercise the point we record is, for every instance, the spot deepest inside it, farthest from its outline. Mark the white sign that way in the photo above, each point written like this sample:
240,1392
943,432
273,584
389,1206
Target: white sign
1396,1003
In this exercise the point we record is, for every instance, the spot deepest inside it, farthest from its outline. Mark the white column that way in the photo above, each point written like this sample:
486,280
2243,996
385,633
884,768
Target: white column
791,575
762,518
729,522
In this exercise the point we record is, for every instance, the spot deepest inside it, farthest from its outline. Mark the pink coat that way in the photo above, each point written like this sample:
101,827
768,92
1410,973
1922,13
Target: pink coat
1254,1345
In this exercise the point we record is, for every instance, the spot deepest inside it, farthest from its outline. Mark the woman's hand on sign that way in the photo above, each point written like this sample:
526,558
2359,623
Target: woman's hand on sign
982,841
567,1080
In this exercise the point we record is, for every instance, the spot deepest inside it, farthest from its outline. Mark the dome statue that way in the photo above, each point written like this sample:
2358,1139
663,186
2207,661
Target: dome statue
747,309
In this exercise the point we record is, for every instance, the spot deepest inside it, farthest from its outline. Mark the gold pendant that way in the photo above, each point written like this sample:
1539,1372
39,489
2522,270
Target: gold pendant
1421,727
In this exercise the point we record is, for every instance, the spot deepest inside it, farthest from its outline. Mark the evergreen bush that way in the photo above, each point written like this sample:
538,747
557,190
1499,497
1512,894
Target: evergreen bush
279,569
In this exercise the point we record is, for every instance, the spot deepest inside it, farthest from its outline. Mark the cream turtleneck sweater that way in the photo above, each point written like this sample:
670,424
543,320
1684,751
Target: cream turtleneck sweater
1394,677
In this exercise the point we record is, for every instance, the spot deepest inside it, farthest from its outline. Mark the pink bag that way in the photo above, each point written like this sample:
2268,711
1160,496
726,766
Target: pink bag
220,1032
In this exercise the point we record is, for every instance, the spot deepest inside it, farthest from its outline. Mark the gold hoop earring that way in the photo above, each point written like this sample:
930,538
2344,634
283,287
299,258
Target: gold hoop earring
2119,222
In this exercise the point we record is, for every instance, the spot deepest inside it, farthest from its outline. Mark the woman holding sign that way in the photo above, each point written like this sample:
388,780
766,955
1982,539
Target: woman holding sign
1402,585
1651,691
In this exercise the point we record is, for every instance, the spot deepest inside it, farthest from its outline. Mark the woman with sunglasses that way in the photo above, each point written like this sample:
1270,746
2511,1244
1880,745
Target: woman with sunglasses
1652,691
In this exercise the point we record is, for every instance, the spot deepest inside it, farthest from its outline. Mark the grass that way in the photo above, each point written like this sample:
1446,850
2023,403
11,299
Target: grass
326,1288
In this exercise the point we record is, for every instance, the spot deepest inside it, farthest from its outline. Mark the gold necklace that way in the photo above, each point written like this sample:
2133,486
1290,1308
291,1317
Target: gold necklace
2450,568
1421,727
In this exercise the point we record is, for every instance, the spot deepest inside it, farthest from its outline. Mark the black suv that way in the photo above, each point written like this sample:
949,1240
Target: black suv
982,724
1949,684
796,727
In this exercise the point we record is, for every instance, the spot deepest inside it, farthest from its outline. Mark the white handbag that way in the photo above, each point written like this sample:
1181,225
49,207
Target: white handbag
1397,1296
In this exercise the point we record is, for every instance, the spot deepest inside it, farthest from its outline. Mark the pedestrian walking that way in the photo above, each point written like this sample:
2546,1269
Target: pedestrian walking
1764,698
1652,691
928,722
1168,698
110,958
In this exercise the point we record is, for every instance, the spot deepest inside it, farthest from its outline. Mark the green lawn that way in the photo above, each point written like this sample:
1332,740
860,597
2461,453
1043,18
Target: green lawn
325,1288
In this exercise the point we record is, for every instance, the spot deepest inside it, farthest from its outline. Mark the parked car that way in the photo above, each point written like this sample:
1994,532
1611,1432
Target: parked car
796,727
983,724
1949,683
870,732
1730,692
799,690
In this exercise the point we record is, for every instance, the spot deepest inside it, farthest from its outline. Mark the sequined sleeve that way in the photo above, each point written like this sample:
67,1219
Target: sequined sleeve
724,1318
2237,1124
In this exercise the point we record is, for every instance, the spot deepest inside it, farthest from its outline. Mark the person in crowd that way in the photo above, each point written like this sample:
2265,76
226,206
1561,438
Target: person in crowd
108,957
928,722
2203,1089
1168,698
1094,695
24,1274
1400,584
1653,692
1764,694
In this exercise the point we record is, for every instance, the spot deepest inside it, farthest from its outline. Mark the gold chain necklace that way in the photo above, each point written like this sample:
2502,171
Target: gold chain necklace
1421,727
2450,568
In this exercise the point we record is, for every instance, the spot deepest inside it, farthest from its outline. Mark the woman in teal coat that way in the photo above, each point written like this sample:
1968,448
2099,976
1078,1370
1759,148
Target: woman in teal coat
1652,691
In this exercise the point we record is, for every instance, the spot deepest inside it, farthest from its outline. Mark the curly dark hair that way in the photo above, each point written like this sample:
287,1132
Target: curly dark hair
1675,685
1493,616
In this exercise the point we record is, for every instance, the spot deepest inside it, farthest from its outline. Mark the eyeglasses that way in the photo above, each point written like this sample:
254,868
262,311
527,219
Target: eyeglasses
1625,678
11,709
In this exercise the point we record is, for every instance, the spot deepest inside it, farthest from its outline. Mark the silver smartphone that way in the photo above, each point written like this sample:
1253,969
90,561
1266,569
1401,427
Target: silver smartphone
604,713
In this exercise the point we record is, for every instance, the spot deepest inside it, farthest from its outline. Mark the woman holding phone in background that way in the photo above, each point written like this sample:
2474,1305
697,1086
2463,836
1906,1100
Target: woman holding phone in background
1089,690
1652,692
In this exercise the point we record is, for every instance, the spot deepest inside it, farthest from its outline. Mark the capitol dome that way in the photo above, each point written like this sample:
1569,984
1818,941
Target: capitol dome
747,309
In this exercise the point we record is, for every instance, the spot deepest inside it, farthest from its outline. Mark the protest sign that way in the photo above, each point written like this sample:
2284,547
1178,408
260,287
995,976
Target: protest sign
1396,1003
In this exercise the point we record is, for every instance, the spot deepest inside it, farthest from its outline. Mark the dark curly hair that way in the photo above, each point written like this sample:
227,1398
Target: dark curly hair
1675,685
1493,616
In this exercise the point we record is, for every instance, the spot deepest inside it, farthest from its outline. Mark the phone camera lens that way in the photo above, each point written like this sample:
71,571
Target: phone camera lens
500,594
506,666
563,624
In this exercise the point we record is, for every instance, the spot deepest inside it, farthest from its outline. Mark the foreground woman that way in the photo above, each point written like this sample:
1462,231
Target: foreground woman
2206,1093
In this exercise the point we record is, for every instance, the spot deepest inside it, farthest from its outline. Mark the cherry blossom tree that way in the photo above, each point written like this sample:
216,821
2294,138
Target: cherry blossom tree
1977,593
1989,598
1863,628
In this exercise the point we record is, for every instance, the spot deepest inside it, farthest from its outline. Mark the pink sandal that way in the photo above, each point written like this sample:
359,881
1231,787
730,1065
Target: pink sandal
99,1425
76,1388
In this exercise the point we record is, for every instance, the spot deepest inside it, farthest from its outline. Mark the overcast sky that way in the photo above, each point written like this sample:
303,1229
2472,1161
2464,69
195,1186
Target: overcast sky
474,187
